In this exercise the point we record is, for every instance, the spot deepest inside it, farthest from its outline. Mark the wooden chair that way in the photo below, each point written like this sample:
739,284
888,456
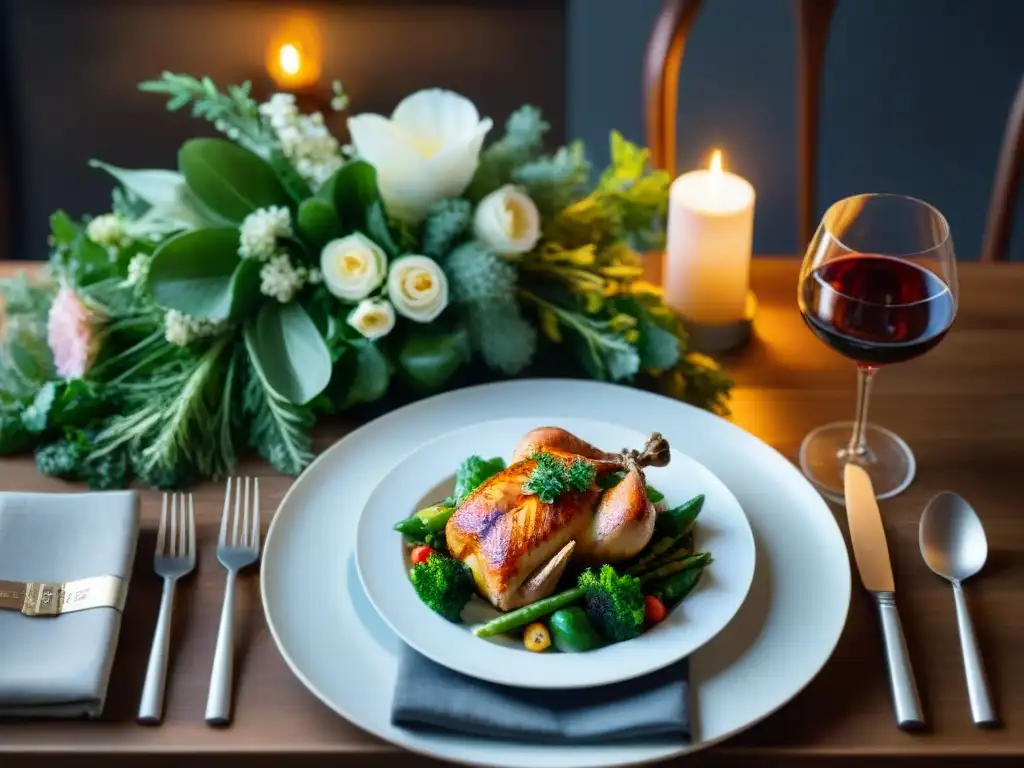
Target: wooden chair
664,57
1004,190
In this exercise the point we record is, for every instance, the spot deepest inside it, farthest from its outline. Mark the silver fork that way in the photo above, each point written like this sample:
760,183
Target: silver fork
175,557
240,549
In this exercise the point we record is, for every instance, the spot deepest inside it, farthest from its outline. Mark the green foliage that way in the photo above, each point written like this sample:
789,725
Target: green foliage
658,343
523,141
504,339
200,274
394,237
447,221
552,477
555,182
614,603
74,257
430,356
68,459
235,109
474,472
475,273
353,190
292,181
580,475
363,373
603,353
285,346
175,399
278,429
14,437
229,180
318,222
25,359
444,585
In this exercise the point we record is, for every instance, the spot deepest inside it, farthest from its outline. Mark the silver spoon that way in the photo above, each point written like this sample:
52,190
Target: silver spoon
953,545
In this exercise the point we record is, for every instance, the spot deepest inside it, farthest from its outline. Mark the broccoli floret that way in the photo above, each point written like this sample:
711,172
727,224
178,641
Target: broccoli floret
614,604
444,585
473,472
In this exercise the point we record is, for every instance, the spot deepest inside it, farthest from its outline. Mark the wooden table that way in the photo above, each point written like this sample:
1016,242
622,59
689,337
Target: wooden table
960,407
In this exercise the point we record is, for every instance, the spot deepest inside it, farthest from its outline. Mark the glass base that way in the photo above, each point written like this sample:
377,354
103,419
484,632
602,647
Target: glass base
889,461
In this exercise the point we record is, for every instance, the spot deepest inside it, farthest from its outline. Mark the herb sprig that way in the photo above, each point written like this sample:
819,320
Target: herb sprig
552,477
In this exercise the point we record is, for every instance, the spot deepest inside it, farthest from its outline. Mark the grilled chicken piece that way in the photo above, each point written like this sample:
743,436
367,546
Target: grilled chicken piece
518,546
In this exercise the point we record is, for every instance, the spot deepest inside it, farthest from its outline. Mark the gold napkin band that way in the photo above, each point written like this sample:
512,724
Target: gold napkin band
41,599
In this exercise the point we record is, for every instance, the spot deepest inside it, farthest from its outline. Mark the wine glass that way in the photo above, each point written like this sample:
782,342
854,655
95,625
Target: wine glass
878,285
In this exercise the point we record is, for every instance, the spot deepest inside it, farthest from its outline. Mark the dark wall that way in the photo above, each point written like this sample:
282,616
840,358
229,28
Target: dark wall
72,68
916,91
915,97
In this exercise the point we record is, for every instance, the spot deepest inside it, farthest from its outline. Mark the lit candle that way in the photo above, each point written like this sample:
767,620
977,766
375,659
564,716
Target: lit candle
293,56
710,231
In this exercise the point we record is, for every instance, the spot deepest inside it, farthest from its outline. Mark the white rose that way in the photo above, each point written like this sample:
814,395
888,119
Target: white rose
373,318
507,221
352,267
418,288
428,150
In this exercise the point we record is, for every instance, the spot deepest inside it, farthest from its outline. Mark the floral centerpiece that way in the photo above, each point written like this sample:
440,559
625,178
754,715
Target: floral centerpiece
277,275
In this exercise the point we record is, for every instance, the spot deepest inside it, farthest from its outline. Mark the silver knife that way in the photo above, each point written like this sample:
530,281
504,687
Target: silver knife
871,554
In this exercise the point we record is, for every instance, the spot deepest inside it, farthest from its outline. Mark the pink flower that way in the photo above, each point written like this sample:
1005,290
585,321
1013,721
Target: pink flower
72,334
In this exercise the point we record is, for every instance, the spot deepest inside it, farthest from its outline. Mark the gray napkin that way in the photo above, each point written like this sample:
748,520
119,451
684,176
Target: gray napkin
649,708
59,666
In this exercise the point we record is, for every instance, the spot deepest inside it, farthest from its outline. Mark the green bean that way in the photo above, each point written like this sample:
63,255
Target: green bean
698,560
528,613
651,555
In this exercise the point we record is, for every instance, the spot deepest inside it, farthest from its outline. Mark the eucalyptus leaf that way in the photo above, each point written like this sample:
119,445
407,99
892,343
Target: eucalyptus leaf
63,229
372,375
292,180
354,187
379,231
430,357
166,191
229,180
200,274
288,351
318,222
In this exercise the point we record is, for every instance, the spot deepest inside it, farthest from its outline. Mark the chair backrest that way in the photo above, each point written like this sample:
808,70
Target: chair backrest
664,58
1007,183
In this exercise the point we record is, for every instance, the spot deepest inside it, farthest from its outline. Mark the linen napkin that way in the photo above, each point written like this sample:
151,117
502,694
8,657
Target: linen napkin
59,666
652,707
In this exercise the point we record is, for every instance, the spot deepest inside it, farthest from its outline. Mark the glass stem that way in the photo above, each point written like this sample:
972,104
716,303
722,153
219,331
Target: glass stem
857,450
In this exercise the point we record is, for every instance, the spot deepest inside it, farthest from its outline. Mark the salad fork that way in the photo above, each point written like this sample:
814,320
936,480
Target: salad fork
237,552
175,556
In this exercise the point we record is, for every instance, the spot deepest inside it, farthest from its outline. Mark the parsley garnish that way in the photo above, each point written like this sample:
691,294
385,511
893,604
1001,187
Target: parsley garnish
551,477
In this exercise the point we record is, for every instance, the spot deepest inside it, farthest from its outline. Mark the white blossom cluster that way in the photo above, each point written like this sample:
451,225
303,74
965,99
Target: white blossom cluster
260,230
138,269
281,280
304,139
180,329
106,230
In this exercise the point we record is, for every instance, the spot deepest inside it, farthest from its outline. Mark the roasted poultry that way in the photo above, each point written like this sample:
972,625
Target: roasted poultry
517,546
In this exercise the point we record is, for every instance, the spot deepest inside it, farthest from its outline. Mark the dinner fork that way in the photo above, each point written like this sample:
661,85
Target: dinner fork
239,550
175,557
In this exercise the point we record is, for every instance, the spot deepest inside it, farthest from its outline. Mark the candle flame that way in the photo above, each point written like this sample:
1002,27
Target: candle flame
716,163
294,54
290,59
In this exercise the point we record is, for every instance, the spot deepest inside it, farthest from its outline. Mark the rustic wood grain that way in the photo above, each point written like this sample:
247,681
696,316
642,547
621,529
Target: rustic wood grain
961,408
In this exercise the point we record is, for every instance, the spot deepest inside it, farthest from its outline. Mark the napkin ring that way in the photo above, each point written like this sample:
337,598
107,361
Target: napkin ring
55,599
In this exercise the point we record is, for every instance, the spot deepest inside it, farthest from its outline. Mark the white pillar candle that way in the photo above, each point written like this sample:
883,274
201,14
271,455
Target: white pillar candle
710,231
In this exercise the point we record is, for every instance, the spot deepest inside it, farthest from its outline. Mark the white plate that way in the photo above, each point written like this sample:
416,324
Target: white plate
337,645
426,475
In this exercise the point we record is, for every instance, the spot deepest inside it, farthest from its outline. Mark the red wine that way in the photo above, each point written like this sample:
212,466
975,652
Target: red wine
876,309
